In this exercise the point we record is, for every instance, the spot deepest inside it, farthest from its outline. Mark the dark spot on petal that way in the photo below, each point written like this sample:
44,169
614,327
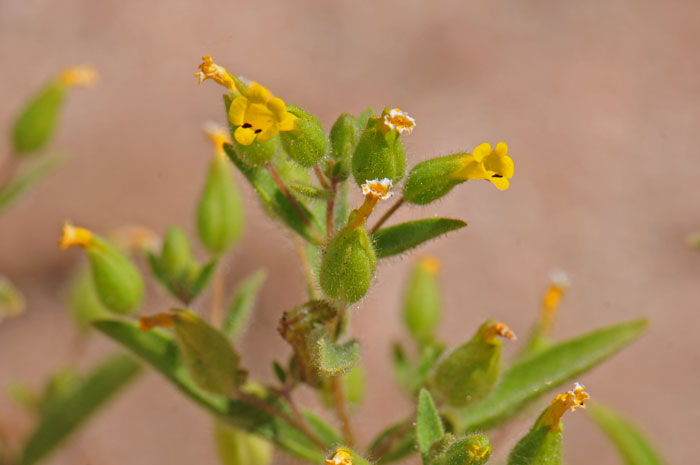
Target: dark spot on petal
497,176
247,125
258,131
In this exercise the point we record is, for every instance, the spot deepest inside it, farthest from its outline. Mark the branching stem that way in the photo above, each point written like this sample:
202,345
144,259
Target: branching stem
387,215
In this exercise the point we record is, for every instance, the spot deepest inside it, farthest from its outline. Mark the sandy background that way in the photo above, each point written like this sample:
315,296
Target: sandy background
599,102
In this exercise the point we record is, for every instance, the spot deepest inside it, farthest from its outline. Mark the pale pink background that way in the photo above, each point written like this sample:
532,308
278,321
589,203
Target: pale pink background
599,102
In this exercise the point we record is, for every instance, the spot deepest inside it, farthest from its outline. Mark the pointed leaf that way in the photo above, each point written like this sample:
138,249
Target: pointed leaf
634,448
428,424
27,178
531,377
238,314
402,237
202,279
73,410
394,443
336,359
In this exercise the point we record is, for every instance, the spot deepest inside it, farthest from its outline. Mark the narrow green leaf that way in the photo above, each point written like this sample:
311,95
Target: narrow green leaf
27,178
633,446
394,443
428,424
203,277
238,447
238,314
159,350
311,192
73,410
336,359
531,377
402,237
275,201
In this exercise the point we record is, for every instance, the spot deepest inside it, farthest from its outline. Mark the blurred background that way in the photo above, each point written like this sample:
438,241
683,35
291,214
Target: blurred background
599,103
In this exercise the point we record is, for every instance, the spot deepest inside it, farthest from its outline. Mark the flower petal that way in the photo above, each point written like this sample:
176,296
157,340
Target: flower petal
236,111
244,136
268,133
288,122
277,107
471,169
481,151
501,183
257,93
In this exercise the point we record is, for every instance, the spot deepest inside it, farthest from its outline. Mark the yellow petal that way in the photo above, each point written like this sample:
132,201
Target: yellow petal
499,164
278,108
501,149
268,133
481,151
472,169
257,93
288,123
236,111
244,136
501,183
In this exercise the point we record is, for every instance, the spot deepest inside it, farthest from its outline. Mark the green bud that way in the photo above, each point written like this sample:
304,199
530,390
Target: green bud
348,265
471,450
306,144
175,257
378,155
238,447
37,122
469,372
207,353
60,386
84,302
423,300
302,327
344,136
220,210
257,154
11,299
430,180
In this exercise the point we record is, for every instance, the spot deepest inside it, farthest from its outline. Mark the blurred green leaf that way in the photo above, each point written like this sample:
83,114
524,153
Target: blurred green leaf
27,178
73,410
37,122
11,299
275,201
402,237
238,447
83,300
428,424
422,300
336,359
160,351
531,377
634,448
394,443
238,314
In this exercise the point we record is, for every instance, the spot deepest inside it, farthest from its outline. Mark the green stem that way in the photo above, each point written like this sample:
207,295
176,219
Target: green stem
387,215
293,201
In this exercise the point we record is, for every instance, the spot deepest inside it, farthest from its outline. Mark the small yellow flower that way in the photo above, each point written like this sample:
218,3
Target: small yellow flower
430,264
218,136
570,400
259,115
342,456
210,70
484,163
73,235
78,76
397,120
374,190
477,451
159,320
499,329
559,282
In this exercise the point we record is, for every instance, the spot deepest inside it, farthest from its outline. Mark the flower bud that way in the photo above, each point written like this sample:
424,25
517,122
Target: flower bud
471,450
306,144
469,372
344,136
220,210
117,281
206,352
175,257
301,327
379,153
430,180
348,265
257,153
422,300
84,302
37,122
543,443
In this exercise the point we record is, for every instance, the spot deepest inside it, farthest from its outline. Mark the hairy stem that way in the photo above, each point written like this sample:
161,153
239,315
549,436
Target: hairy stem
330,210
321,177
341,407
293,201
387,215
217,297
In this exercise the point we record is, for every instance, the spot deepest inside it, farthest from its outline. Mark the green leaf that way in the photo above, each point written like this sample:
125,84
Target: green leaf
238,314
394,443
311,192
159,350
275,201
203,277
27,178
402,237
238,447
37,122
428,424
533,376
336,359
634,448
72,411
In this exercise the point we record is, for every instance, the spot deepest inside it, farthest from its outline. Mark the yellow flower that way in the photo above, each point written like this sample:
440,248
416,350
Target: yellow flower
397,120
558,284
218,136
570,400
74,236
342,456
210,70
484,163
374,190
78,76
259,115
499,329
430,264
